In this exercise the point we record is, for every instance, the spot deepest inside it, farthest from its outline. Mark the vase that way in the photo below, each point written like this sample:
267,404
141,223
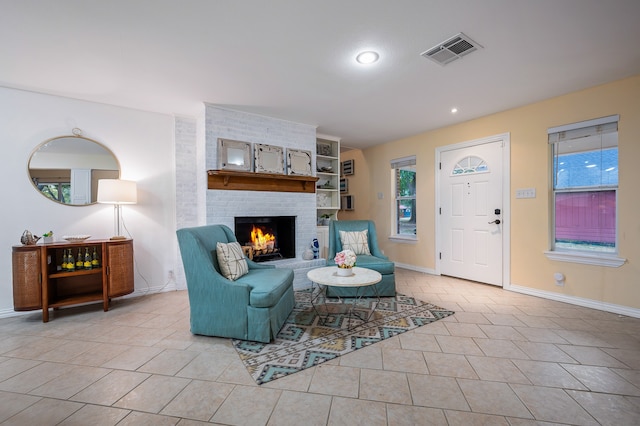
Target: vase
345,272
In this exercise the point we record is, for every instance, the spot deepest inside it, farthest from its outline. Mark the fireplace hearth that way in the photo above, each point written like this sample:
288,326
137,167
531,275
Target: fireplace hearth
266,237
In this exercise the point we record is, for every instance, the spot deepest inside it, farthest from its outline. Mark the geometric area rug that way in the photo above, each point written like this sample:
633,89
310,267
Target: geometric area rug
307,340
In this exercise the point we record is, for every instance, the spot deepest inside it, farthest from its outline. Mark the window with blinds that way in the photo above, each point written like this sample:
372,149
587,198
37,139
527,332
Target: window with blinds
585,185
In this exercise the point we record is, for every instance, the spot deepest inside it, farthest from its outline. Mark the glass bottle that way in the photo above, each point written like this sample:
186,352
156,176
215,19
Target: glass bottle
87,258
95,262
63,265
71,262
79,262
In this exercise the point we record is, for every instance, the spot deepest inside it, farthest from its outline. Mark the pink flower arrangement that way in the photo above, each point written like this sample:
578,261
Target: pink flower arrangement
345,259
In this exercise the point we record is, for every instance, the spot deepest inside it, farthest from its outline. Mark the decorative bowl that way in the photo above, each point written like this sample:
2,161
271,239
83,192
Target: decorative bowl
76,238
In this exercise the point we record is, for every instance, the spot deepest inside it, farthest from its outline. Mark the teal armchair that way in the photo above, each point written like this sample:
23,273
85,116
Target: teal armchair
254,307
376,260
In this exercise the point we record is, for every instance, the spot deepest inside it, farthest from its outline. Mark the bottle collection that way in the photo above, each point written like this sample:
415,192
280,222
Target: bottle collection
81,261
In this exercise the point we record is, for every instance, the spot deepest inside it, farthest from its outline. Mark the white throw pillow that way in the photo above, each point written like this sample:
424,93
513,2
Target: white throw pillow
356,241
231,259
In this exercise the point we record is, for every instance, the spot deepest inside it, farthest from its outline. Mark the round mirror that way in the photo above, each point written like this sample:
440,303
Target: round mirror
66,169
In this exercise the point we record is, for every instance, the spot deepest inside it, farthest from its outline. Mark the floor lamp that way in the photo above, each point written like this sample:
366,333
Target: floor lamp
117,192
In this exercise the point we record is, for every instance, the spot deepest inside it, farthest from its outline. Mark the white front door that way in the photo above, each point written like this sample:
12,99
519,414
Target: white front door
471,212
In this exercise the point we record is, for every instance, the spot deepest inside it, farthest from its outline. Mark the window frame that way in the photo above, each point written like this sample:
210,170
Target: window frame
557,135
402,164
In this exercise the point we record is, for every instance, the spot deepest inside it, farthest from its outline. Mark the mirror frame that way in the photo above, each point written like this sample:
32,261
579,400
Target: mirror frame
77,134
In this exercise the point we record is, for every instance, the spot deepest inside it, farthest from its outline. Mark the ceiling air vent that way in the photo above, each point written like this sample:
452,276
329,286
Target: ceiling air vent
451,49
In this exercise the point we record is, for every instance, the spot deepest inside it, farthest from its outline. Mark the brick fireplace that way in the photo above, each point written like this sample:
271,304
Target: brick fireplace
222,206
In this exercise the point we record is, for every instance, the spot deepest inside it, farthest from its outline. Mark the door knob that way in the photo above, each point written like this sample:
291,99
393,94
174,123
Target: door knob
497,222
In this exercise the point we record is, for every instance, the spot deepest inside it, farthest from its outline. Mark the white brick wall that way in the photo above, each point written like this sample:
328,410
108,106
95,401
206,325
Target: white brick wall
223,206
186,172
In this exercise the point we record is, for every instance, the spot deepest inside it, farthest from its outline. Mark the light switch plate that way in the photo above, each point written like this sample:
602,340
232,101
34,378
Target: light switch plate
526,193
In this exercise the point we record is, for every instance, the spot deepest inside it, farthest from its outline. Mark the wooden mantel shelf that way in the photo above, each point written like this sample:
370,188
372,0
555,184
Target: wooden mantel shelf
249,181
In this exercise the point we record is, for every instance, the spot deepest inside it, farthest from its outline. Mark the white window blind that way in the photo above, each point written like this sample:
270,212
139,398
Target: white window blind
399,163
598,126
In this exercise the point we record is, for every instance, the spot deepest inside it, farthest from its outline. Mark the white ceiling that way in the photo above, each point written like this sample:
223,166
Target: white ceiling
294,59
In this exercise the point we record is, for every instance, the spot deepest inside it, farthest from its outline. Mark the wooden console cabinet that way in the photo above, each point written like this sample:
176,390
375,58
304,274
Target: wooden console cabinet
39,283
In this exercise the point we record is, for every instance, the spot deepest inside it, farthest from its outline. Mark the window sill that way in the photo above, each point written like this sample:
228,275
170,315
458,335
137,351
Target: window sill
403,239
607,260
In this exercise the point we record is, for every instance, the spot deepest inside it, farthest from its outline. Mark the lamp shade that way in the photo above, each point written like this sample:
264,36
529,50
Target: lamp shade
117,191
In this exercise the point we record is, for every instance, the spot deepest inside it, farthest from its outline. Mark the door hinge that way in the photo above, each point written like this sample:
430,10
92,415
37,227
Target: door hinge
439,210
439,166
440,255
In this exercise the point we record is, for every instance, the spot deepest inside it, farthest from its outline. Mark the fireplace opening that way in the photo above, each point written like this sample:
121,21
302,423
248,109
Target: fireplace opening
266,237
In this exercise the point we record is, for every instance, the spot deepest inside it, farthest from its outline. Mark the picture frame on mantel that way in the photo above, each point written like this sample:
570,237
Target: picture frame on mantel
269,159
234,155
298,162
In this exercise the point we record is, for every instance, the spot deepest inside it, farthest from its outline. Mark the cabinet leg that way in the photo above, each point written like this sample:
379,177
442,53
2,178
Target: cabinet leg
45,315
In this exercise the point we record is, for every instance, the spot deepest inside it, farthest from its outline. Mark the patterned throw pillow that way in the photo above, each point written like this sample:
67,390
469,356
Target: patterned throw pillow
356,241
232,262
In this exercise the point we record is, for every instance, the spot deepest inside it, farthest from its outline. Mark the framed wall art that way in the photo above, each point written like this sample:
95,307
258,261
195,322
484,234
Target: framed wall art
346,202
347,168
344,186
234,155
269,159
298,162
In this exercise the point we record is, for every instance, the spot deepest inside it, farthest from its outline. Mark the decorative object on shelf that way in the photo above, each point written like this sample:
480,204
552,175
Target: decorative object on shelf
28,239
298,162
117,192
344,186
76,238
325,219
47,237
234,155
348,168
326,185
316,248
325,169
346,202
323,149
346,260
269,159
322,200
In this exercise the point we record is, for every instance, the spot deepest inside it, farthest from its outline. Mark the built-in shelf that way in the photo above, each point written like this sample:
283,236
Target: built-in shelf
249,181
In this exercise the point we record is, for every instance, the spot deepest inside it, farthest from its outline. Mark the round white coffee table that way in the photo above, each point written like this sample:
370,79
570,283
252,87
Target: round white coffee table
328,277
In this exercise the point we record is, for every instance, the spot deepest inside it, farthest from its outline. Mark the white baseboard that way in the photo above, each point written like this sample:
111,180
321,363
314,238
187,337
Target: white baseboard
574,300
8,313
415,268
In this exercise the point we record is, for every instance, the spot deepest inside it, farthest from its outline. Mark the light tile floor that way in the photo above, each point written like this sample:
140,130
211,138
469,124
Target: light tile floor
502,359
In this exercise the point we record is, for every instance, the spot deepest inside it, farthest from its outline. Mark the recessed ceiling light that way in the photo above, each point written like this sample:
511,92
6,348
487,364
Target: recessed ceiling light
368,57
454,110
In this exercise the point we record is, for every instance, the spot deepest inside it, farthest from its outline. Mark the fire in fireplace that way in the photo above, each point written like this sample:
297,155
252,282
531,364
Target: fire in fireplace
267,237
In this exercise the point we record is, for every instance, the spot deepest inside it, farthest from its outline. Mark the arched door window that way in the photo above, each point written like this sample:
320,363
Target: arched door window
470,164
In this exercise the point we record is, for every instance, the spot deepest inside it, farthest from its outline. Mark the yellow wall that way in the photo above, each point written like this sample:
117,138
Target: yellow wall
529,218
